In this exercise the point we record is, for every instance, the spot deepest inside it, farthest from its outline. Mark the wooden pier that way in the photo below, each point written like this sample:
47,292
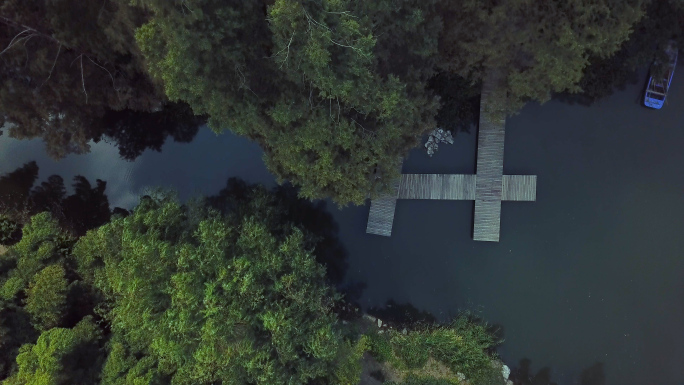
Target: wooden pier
488,187
381,214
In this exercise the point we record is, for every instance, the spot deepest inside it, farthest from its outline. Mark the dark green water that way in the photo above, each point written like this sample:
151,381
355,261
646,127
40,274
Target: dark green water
591,272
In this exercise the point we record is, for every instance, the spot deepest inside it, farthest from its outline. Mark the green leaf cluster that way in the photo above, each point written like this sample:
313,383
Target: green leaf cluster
199,298
60,356
435,354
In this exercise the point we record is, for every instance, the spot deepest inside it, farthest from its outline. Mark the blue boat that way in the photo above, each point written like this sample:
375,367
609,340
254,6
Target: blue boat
658,85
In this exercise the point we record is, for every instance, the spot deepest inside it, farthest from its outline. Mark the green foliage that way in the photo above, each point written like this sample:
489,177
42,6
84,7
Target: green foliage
10,231
46,297
333,91
71,73
538,46
425,380
59,356
379,347
33,288
124,368
650,36
67,62
433,355
43,243
206,299
348,371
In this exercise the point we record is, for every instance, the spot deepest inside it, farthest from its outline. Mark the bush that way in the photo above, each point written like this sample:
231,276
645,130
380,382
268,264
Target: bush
379,347
434,355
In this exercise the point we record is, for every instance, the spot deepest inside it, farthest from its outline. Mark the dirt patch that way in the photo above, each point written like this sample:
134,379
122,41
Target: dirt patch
3,249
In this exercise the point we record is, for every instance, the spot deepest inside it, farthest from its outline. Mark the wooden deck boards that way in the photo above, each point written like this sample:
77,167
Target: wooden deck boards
489,182
381,215
437,186
522,188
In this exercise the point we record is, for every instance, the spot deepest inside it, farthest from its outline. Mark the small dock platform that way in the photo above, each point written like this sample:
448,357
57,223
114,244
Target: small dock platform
488,187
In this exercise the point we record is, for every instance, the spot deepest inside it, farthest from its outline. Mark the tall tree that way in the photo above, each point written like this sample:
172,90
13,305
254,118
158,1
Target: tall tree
537,46
212,299
65,65
333,91
61,356
31,295
46,297
664,20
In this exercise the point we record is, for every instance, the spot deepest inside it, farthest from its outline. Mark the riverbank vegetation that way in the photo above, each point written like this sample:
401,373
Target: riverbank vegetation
219,290
437,354
335,92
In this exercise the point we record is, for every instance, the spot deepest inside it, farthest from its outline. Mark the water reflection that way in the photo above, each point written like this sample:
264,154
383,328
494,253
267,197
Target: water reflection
85,209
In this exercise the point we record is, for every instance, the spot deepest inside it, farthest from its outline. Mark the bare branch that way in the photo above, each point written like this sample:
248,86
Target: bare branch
325,27
365,131
15,41
83,79
110,74
99,14
53,66
243,84
310,94
13,23
186,6
346,13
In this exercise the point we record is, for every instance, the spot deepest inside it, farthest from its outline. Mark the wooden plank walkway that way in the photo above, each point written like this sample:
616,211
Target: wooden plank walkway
437,186
521,188
381,213
489,182
488,187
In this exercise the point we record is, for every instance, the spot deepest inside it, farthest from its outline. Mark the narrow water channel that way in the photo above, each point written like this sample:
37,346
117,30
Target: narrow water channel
593,272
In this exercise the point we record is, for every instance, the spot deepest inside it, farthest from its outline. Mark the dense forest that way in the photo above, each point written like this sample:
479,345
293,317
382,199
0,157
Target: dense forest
235,288
243,287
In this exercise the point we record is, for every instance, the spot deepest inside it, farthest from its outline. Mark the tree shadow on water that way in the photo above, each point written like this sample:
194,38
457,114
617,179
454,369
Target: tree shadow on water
85,209
523,375
282,207
134,132
402,315
459,102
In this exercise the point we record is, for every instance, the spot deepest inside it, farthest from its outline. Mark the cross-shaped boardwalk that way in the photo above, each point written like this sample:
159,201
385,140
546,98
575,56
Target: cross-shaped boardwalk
487,188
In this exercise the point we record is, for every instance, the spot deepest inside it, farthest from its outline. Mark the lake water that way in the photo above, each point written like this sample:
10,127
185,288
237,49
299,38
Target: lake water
593,272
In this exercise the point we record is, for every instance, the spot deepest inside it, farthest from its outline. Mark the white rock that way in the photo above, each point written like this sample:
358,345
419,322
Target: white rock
404,332
369,317
505,371
379,323
437,136
509,382
460,376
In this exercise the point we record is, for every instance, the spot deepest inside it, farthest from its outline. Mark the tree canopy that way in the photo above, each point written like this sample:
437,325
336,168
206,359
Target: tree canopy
538,47
662,22
214,300
71,73
333,91
223,290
